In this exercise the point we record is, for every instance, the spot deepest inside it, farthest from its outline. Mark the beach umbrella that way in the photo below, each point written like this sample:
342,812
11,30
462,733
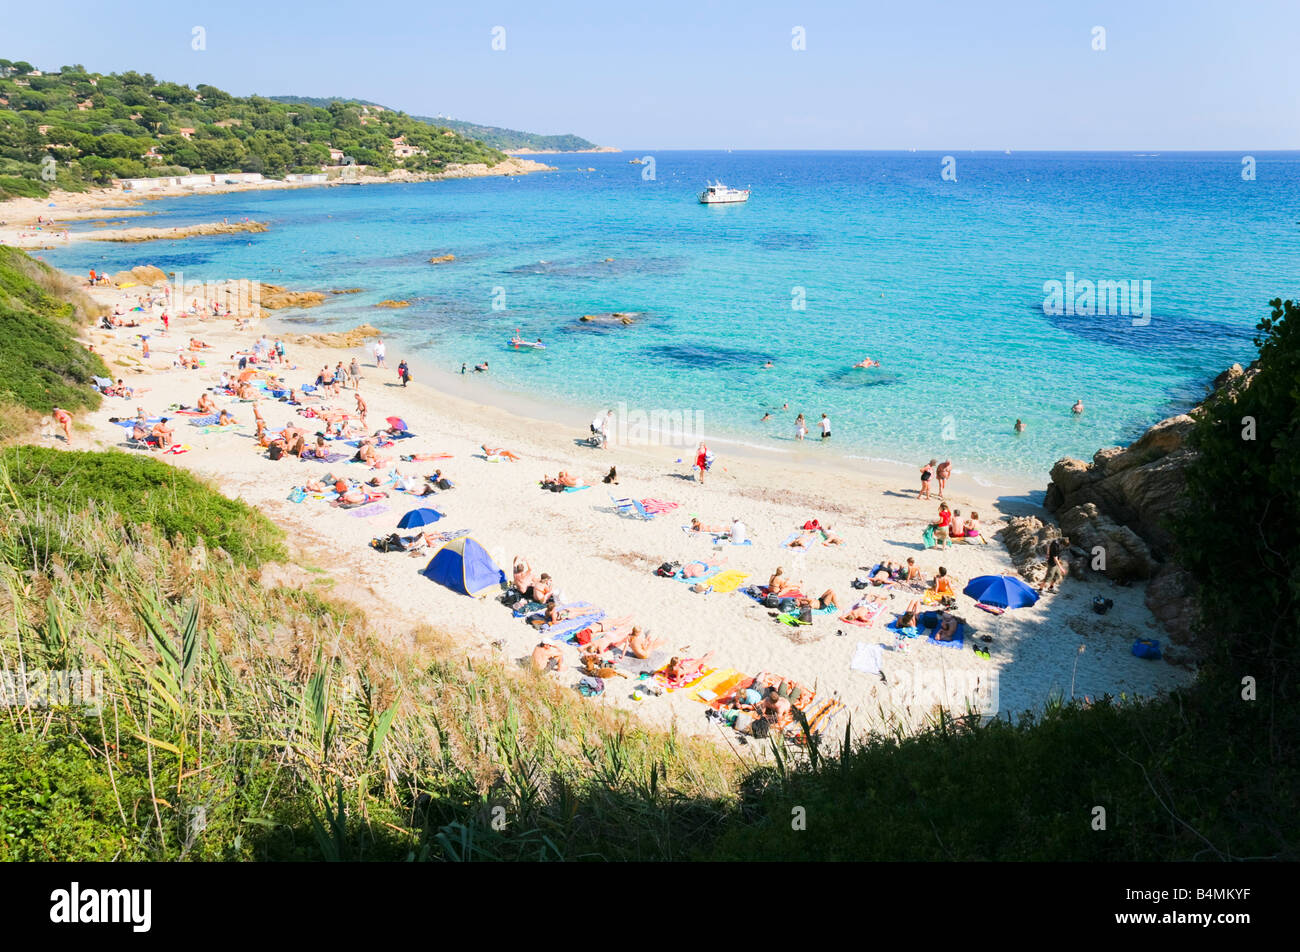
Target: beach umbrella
419,517
245,374
1004,591
397,423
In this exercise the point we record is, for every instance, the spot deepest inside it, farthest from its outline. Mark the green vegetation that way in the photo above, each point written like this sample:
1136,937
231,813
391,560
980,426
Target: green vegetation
103,126
41,364
494,137
141,491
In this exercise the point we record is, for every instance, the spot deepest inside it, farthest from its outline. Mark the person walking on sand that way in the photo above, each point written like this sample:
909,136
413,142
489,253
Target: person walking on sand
826,427
354,372
403,373
942,474
361,410
64,419
380,350
927,472
1056,564
800,427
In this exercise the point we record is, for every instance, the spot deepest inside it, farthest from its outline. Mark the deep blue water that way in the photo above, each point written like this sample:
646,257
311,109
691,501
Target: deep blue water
941,281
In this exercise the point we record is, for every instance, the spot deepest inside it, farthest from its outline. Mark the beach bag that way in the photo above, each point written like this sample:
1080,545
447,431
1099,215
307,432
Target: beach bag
587,686
786,604
805,615
771,601
275,452
928,537
444,483
668,569
1102,605
1147,648
583,637
811,524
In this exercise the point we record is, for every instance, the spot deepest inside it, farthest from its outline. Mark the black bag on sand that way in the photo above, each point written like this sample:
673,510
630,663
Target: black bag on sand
805,615
771,601
760,728
444,484
668,569
274,452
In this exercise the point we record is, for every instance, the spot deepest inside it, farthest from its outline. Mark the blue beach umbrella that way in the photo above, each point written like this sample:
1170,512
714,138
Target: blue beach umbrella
1003,591
419,517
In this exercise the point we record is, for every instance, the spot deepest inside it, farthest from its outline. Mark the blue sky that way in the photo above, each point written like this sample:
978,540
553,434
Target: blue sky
933,74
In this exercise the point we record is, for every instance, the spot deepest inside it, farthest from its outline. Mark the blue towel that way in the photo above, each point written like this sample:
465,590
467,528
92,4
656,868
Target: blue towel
958,640
708,573
575,489
569,627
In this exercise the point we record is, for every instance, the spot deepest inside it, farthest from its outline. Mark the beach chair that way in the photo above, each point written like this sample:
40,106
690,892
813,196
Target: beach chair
631,507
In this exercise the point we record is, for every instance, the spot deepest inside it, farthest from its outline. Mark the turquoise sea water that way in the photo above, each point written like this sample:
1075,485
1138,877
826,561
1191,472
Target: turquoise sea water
941,281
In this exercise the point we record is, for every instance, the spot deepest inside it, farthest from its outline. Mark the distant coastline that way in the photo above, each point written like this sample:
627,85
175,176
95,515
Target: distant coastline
599,148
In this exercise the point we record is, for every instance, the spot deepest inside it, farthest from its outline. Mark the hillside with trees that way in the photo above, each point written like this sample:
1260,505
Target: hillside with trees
97,127
494,137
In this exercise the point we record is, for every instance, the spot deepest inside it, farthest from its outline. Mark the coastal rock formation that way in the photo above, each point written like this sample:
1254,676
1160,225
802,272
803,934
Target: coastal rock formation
1125,500
1123,555
478,169
191,231
274,297
141,274
614,318
1026,539
393,304
441,259
353,338
347,290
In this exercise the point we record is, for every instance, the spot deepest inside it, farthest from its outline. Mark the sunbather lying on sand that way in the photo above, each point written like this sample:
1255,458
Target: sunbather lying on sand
697,526
562,479
830,538
863,611
196,344
612,632
547,656
804,541
499,451
683,669
827,598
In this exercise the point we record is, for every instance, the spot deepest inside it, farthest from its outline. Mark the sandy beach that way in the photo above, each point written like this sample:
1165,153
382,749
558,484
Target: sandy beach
601,555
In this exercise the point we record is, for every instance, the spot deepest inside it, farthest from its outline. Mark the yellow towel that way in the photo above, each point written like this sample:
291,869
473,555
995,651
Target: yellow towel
718,683
727,581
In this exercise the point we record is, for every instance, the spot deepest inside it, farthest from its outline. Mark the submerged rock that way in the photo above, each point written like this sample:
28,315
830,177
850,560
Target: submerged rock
393,304
441,259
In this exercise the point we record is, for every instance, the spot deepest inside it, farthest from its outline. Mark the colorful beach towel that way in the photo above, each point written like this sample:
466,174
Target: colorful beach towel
718,684
656,506
205,420
670,685
873,608
728,581
365,512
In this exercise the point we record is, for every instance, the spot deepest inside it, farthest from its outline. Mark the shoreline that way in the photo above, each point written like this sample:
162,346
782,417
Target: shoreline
114,202
596,555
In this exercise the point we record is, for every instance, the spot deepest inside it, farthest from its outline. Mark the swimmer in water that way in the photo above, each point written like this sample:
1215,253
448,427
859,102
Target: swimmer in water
766,417
866,363
1078,406
766,366
1020,426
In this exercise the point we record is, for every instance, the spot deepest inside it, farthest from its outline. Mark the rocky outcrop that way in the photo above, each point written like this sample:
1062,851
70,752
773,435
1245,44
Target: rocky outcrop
274,297
141,274
1026,539
191,231
613,318
1122,504
353,338
393,304
442,259
347,290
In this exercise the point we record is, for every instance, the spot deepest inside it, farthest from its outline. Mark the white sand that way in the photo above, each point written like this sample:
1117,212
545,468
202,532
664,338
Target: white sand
598,556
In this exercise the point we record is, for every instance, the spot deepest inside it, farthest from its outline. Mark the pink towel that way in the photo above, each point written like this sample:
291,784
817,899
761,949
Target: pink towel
658,505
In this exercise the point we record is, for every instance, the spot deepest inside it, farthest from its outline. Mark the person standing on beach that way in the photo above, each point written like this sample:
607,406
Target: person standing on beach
702,461
1056,564
354,372
403,373
942,474
380,350
826,427
361,410
927,472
